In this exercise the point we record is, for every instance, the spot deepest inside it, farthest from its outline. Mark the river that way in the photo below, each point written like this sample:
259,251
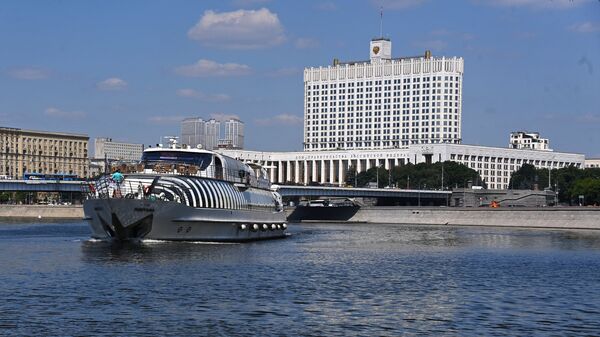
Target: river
322,280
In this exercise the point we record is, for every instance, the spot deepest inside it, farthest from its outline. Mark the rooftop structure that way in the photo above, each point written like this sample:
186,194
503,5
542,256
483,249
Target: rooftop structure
529,141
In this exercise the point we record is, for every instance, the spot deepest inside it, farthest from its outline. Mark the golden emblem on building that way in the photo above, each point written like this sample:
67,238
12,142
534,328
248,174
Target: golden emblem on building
376,50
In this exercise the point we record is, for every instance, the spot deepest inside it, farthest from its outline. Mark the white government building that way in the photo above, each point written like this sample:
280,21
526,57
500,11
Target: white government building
386,112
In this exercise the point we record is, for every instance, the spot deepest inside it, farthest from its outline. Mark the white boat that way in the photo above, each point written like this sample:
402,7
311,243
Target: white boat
184,193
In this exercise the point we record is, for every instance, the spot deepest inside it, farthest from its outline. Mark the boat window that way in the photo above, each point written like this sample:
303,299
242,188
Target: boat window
202,160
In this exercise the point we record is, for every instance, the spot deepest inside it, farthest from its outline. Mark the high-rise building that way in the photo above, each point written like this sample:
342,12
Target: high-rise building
197,131
193,131
234,133
383,102
28,151
207,133
114,150
213,134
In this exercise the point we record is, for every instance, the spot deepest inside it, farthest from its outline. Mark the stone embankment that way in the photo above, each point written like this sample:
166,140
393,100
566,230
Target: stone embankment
42,211
534,217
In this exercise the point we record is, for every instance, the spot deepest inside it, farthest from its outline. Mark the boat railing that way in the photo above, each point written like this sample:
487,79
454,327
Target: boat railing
107,187
212,171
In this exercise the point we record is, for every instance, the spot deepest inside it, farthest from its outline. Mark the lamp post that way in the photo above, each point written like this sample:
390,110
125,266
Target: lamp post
442,176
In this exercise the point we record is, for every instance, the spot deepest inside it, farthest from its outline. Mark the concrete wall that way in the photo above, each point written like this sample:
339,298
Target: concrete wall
43,211
524,198
547,217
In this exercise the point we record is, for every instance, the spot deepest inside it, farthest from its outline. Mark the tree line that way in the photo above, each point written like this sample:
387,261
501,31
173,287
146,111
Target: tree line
570,182
440,175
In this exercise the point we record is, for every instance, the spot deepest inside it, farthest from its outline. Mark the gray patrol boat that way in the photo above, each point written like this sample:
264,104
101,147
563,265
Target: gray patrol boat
184,193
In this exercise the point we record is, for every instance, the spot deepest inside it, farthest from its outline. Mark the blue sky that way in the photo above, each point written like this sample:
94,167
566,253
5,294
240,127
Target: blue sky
132,69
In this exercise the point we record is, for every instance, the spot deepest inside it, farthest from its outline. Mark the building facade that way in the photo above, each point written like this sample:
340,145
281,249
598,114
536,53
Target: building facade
494,164
234,133
114,150
193,131
28,151
384,102
592,162
528,141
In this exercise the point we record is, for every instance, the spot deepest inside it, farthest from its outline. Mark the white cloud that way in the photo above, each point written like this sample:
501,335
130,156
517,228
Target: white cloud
220,116
282,119
241,29
113,83
585,27
538,4
306,43
204,68
166,119
58,113
397,4
197,94
29,73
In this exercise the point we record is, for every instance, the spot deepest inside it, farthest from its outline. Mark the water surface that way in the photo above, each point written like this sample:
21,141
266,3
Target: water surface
323,280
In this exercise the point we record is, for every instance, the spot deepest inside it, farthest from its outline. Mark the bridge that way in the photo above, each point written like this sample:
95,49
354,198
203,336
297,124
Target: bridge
384,195
43,186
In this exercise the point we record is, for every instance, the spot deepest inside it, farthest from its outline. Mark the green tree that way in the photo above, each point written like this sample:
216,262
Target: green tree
589,188
524,178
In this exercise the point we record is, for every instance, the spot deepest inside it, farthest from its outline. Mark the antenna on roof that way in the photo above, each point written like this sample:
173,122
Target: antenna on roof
381,22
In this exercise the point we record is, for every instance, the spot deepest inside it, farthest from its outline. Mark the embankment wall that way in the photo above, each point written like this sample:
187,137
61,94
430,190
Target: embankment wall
537,217
583,218
43,211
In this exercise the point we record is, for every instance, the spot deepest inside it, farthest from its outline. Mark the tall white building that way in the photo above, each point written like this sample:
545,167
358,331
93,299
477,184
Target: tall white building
384,102
234,133
528,141
115,150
